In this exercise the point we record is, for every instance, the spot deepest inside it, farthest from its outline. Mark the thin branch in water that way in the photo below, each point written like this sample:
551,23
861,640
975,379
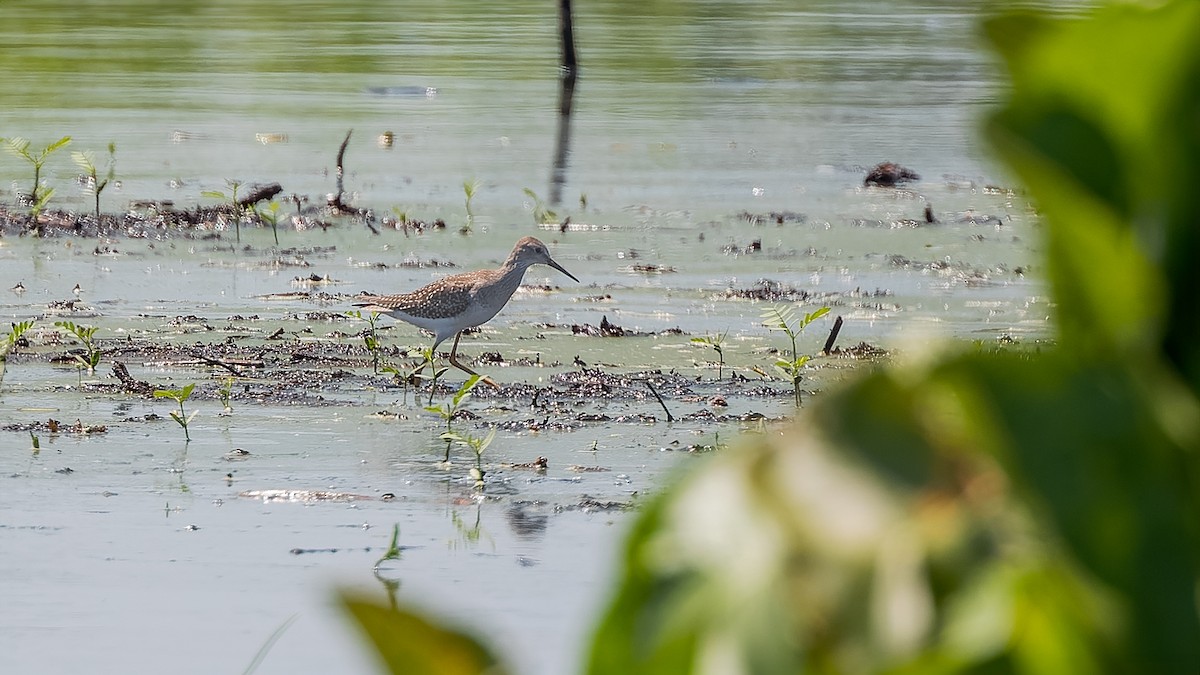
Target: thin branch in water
341,155
216,362
670,417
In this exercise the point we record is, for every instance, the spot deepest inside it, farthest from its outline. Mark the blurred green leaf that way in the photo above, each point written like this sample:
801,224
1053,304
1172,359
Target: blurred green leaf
1101,128
409,643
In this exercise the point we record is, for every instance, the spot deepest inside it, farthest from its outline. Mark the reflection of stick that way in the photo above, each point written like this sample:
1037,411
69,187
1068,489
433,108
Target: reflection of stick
568,70
833,335
566,35
670,417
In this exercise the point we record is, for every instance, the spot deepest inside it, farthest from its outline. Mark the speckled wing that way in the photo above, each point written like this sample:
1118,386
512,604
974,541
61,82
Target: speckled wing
441,299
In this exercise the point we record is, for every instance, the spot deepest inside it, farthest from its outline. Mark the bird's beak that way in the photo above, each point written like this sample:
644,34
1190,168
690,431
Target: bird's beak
562,269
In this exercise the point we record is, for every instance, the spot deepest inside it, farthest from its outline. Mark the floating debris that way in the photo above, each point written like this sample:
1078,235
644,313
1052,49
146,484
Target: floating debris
768,290
777,217
53,426
540,465
860,351
889,174
303,496
605,329
270,138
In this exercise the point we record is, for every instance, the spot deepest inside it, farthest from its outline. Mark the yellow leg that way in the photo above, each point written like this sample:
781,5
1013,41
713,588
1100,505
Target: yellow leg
454,362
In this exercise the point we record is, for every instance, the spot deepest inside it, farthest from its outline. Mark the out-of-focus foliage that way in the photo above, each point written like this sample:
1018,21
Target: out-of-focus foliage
411,643
1102,128
983,512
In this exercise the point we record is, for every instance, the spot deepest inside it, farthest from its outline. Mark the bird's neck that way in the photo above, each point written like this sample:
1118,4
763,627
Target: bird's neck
511,275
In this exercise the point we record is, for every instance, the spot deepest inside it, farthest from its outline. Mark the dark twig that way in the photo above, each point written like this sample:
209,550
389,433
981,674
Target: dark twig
336,202
833,336
216,362
670,417
340,164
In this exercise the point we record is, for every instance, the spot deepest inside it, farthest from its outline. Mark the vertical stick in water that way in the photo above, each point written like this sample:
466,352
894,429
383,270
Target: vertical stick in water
568,71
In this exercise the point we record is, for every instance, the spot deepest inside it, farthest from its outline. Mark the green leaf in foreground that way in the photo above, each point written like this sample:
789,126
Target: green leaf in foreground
410,643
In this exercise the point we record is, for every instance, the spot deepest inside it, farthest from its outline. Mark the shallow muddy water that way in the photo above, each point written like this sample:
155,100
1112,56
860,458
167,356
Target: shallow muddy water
720,149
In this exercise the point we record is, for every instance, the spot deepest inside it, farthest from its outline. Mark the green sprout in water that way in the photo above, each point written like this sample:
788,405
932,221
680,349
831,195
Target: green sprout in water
541,214
470,187
717,343
225,395
179,395
19,147
413,374
447,410
427,359
10,342
402,219
14,336
783,318
85,335
477,445
370,339
393,550
270,216
232,198
87,162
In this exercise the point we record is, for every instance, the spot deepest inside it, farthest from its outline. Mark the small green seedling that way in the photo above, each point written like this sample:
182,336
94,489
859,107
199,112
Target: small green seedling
446,410
225,395
427,359
232,198
179,395
85,335
19,147
402,219
717,343
14,336
412,374
470,187
10,342
87,162
477,445
270,215
393,550
370,339
783,318
541,214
